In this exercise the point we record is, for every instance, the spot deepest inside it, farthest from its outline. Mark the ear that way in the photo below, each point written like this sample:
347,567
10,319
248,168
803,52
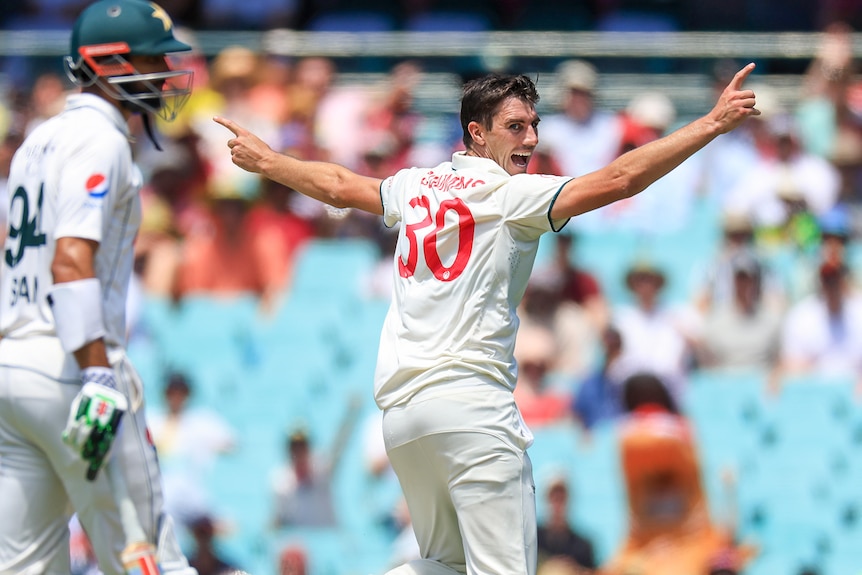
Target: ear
476,132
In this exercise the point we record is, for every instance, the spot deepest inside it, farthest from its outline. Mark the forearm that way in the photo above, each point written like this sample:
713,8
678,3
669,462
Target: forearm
75,306
322,181
641,167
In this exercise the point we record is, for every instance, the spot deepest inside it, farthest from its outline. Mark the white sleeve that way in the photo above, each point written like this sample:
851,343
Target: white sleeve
87,189
528,200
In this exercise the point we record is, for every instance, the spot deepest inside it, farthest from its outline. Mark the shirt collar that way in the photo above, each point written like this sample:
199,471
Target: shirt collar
77,101
460,161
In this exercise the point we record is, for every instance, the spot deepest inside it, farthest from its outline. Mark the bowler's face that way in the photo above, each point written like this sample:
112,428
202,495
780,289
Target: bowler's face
513,136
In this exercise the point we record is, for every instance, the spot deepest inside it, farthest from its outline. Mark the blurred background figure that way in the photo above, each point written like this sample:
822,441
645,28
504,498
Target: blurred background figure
669,526
582,137
207,558
830,108
743,333
222,255
823,332
598,397
656,340
302,487
292,560
539,402
188,439
549,303
785,186
557,538
714,280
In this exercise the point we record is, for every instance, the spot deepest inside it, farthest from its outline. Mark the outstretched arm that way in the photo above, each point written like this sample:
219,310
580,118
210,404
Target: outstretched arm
632,172
324,181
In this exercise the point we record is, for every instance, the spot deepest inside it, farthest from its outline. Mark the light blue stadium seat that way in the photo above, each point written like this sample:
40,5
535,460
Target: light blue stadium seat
330,271
199,328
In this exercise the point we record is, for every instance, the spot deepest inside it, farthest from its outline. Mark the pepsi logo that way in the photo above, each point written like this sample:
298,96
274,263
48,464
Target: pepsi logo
97,186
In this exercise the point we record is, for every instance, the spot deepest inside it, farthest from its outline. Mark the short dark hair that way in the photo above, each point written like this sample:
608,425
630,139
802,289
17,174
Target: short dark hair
482,96
647,388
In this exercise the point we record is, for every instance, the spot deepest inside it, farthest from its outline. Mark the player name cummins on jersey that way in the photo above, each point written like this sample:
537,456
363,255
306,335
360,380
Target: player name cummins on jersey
74,178
469,235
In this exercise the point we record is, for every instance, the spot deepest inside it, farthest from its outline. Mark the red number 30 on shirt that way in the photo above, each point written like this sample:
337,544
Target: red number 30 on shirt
466,229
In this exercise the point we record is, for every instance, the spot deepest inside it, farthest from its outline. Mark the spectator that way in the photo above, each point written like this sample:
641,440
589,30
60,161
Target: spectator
190,434
539,403
743,333
169,205
784,170
822,334
714,281
656,337
393,117
206,558
670,530
835,239
582,137
303,487
579,285
829,121
579,136
572,326
598,398
234,74
556,536
47,99
188,440
292,560
648,116
281,233
221,255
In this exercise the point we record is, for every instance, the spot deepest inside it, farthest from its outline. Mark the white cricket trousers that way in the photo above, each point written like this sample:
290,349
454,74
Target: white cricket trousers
463,467
42,480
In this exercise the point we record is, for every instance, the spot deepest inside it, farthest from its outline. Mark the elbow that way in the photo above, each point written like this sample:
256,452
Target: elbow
342,189
338,195
623,186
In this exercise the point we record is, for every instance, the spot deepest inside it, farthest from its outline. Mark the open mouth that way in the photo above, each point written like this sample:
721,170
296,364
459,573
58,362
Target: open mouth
521,160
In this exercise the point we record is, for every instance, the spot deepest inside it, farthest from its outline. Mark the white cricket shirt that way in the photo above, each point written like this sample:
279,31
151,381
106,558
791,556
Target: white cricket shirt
72,177
466,246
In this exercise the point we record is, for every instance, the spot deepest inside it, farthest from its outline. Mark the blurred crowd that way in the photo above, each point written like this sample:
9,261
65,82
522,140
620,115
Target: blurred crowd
761,15
780,293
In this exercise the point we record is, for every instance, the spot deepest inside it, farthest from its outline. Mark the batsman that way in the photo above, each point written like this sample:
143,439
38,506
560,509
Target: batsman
70,400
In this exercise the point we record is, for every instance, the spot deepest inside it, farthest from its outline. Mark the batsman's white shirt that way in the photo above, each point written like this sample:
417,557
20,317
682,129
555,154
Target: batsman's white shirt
74,177
468,239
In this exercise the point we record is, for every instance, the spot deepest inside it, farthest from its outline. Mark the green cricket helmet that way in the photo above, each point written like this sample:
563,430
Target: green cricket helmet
106,33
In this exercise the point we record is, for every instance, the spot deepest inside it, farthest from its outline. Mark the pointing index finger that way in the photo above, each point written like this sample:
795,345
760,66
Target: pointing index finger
739,77
230,125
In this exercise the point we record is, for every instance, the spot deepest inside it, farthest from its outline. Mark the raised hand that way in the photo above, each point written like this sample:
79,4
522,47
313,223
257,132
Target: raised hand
735,103
246,150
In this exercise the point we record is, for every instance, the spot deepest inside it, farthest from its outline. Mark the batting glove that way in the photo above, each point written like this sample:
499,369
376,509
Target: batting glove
94,418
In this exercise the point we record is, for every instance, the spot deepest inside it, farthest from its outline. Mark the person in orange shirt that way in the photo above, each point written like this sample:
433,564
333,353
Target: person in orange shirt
670,529
230,254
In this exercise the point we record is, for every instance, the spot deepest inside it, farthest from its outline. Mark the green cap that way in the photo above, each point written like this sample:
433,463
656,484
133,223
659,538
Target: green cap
144,26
